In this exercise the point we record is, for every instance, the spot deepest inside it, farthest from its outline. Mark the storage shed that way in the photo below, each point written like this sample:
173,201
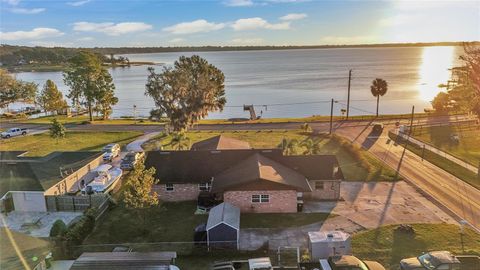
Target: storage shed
325,244
223,226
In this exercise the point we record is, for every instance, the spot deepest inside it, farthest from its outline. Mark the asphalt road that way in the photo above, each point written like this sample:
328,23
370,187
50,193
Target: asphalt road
455,195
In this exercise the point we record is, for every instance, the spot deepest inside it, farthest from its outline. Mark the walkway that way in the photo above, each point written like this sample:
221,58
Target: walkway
136,146
437,151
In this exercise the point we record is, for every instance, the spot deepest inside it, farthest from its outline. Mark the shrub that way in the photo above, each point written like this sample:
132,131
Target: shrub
58,229
78,231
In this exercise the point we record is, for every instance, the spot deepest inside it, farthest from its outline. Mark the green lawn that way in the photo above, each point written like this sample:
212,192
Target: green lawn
389,247
468,147
449,166
42,144
357,164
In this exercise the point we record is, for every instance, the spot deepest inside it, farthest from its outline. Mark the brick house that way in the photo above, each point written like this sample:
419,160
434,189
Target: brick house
255,180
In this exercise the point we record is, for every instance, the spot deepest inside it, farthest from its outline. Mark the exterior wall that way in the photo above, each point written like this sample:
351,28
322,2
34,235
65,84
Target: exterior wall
281,201
181,192
29,201
330,191
223,235
70,182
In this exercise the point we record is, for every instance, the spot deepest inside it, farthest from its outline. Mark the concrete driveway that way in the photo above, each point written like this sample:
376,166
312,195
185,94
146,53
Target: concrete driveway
364,206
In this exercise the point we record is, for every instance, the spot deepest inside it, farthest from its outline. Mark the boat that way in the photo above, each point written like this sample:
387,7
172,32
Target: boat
105,180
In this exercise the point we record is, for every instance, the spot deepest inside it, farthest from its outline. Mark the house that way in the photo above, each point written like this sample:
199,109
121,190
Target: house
220,142
26,181
125,261
33,250
254,180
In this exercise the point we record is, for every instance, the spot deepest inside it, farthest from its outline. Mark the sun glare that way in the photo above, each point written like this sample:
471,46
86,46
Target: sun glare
434,70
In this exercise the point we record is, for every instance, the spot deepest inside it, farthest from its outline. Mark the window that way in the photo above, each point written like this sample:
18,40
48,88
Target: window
204,186
263,198
319,185
169,187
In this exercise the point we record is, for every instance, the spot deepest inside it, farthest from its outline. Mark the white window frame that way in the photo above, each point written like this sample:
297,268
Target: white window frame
204,186
169,187
260,198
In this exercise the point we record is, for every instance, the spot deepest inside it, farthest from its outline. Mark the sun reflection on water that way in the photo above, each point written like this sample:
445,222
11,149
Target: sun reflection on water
434,70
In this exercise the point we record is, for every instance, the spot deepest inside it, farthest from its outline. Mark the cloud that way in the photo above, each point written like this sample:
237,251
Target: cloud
78,3
197,26
176,40
396,20
258,23
85,39
248,41
11,2
344,40
27,10
110,28
238,3
36,33
293,17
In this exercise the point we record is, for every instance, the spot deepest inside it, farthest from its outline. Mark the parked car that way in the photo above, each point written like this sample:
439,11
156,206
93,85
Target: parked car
111,151
344,262
14,132
441,260
377,128
129,161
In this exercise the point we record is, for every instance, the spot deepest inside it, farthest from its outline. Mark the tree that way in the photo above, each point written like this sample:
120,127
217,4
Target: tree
289,146
138,193
180,141
58,228
89,81
441,102
51,99
187,92
378,88
13,90
57,130
312,147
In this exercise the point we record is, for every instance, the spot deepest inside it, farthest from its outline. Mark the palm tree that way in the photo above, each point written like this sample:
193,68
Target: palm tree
312,147
379,88
289,146
180,141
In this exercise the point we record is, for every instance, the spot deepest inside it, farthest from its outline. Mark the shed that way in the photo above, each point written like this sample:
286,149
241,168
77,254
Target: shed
331,243
223,226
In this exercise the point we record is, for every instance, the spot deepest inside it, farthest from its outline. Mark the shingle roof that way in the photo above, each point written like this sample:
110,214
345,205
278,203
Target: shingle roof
20,173
224,213
201,166
124,261
220,142
258,170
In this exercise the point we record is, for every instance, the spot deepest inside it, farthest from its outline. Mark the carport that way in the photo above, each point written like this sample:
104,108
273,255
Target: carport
223,226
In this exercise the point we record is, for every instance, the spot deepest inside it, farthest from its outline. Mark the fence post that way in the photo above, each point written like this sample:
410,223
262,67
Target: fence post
423,152
73,203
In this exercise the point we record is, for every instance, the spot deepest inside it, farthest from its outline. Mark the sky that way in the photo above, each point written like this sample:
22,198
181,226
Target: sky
138,23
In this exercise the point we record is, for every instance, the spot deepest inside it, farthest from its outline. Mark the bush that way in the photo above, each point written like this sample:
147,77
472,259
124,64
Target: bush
78,231
58,229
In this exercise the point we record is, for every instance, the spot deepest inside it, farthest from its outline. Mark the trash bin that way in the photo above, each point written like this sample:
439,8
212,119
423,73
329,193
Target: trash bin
299,206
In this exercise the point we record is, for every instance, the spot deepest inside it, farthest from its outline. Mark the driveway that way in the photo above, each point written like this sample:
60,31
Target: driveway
364,206
36,224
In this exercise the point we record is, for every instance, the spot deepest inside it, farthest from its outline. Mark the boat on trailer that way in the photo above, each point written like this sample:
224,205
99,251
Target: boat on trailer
105,180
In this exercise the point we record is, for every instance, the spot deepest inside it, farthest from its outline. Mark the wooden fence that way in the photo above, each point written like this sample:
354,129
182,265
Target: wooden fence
75,203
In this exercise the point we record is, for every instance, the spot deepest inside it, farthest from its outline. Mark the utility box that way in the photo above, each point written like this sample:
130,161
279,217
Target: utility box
326,244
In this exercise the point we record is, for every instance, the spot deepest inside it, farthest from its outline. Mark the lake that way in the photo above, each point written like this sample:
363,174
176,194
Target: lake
297,83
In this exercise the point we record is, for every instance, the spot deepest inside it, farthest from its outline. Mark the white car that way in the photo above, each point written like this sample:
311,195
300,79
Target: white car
111,151
14,132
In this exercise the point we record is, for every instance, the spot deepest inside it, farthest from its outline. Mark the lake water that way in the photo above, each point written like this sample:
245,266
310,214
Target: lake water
297,83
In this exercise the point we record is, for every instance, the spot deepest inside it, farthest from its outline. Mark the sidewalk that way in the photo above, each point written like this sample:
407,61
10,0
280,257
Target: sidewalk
136,146
439,152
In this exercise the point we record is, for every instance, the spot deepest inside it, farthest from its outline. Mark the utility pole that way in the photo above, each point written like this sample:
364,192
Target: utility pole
348,96
331,117
135,113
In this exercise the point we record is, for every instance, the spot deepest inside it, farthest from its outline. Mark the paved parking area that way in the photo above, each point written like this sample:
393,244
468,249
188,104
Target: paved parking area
364,206
36,224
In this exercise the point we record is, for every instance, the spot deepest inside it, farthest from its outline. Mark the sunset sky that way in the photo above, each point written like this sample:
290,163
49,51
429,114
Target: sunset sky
90,23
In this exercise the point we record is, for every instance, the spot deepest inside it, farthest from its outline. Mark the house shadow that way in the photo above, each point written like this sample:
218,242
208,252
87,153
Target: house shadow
371,139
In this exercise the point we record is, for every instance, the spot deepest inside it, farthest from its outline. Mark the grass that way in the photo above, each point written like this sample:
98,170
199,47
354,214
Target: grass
389,247
357,164
468,147
42,144
449,166
281,220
